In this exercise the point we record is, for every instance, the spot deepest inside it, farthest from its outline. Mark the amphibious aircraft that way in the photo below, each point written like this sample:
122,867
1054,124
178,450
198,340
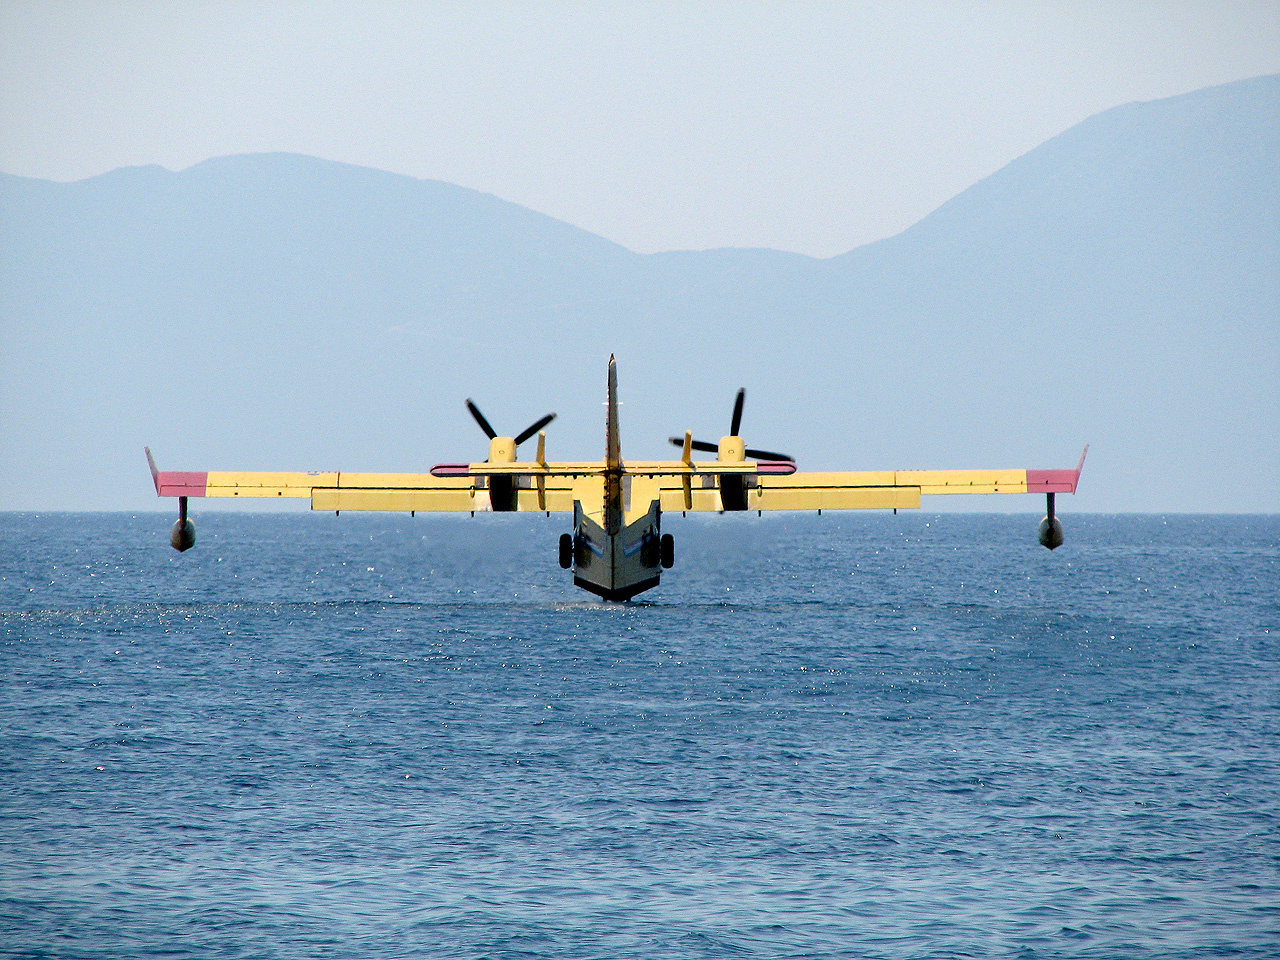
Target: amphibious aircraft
617,549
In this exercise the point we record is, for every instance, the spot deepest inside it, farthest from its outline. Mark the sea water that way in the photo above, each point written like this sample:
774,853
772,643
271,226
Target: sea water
837,736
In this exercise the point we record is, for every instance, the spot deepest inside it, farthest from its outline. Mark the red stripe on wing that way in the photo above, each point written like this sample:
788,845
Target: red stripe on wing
1052,481
180,483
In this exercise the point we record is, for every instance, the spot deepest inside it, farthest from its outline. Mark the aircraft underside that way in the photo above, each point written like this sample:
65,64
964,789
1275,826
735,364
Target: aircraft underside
618,566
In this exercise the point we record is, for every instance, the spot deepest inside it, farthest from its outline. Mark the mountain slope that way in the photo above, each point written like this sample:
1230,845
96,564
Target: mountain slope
1123,278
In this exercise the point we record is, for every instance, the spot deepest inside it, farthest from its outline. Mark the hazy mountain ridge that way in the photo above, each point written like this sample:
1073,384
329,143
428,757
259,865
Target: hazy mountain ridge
1118,284
1142,243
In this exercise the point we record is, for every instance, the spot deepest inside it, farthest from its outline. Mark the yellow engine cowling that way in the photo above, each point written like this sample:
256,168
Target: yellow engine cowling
502,450
731,449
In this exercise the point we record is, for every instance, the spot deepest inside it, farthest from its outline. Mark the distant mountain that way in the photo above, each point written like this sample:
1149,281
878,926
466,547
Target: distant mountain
1119,284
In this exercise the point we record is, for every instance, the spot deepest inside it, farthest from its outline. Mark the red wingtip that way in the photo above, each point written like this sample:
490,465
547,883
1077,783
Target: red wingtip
1056,481
176,483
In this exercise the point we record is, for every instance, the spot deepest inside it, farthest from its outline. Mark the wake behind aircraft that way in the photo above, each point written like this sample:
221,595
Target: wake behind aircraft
617,549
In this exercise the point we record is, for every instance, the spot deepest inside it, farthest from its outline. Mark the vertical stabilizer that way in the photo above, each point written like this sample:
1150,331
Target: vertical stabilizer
613,445
613,506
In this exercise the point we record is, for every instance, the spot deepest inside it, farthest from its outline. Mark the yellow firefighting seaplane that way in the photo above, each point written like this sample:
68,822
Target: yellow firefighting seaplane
617,549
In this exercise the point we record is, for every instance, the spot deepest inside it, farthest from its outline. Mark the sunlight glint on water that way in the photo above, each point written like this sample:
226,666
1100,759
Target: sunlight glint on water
853,736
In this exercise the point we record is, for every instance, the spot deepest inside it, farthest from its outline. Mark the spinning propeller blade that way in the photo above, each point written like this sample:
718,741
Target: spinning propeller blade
533,428
734,426
765,455
484,424
697,445
524,434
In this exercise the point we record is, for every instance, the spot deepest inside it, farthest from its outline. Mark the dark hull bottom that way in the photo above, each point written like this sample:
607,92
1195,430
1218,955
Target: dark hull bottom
626,593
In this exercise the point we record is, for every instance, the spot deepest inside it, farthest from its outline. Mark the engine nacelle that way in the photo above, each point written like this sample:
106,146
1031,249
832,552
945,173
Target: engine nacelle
502,489
733,488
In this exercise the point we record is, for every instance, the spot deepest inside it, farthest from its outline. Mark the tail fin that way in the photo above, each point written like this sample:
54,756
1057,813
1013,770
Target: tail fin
613,444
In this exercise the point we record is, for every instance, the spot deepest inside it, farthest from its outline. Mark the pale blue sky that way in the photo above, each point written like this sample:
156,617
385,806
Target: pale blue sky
805,127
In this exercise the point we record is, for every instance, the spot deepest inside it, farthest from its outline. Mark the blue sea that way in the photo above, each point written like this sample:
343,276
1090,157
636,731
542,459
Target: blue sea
838,736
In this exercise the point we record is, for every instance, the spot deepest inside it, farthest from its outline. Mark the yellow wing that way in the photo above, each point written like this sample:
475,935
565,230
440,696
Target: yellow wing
553,487
871,490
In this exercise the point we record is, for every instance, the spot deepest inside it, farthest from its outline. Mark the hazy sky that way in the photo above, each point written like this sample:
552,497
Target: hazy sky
812,127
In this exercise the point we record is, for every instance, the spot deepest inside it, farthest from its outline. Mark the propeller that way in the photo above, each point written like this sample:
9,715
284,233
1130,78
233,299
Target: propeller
484,424
533,428
521,437
734,426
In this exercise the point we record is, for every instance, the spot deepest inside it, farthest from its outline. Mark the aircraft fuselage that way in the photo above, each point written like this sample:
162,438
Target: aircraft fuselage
612,557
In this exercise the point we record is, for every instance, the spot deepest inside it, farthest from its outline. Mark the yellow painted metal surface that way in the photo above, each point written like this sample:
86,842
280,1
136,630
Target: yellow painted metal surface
865,478
502,450
965,481
589,491
403,481
556,501
676,485
731,449
928,482
699,500
863,490
813,497
258,484
405,492
357,498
